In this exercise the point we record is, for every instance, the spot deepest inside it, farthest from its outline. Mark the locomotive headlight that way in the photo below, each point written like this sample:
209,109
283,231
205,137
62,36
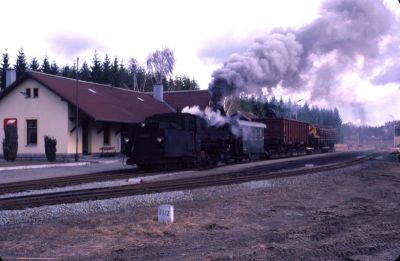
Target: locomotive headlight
142,124
126,139
159,139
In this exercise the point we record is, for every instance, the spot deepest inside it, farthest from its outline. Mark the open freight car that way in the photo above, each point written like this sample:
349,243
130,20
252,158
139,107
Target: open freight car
284,136
322,139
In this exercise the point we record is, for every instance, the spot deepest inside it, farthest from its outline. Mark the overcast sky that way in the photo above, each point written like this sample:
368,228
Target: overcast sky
202,34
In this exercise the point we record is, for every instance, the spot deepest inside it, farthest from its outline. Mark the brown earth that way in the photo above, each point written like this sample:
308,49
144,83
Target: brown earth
342,215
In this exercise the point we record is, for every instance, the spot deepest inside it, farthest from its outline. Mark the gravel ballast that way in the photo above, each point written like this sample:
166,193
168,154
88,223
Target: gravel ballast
347,214
46,213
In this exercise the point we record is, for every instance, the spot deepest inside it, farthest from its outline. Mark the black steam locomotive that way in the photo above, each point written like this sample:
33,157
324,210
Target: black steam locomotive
183,140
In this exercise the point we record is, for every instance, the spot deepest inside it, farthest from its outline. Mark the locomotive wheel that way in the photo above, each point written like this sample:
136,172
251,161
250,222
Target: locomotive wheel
144,167
213,161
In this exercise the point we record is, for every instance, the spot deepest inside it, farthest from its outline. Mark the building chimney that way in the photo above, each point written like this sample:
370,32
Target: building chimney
11,76
158,93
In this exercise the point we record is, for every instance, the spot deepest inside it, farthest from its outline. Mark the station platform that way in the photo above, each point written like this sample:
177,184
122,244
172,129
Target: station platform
26,170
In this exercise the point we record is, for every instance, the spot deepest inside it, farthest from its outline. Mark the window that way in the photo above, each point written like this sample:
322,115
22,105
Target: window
35,92
31,131
106,132
27,93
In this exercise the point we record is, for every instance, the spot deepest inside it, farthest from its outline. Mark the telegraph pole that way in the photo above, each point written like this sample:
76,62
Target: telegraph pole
295,104
76,111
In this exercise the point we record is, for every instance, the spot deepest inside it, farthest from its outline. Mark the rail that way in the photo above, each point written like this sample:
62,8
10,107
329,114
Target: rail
251,174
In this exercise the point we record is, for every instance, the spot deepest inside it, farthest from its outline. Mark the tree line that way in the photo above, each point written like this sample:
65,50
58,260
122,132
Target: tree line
363,133
113,72
288,109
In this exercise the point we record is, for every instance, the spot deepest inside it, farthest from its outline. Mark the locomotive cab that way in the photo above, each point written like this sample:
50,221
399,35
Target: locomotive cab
161,139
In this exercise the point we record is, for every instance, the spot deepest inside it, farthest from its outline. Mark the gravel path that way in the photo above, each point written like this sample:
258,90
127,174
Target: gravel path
348,214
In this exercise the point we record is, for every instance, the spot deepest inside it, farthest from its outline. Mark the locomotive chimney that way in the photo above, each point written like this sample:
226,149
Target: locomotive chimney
158,93
10,76
217,107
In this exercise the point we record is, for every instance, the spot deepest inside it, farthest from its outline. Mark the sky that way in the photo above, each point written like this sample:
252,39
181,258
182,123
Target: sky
203,35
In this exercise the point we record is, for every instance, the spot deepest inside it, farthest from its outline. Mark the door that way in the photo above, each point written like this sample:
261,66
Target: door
85,138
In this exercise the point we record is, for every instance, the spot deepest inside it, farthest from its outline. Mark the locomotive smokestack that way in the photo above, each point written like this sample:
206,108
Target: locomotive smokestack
216,107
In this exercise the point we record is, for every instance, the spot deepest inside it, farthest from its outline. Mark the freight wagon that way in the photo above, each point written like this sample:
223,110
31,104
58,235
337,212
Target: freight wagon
322,139
284,136
287,136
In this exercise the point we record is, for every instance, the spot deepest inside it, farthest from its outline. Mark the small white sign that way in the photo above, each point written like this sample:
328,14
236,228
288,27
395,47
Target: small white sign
165,214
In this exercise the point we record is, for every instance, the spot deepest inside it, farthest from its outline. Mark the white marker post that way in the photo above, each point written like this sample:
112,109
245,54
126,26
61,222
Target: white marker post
166,214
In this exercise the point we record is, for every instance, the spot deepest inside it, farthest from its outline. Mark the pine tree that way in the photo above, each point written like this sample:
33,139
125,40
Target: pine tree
184,83
84,72
115,73
107,76
45,65
34,65
124,78
73,71
54,69
96,73
66,71
20,64
4,66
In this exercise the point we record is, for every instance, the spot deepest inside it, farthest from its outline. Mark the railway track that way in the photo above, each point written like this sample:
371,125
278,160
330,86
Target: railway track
13,187
54,182
251,174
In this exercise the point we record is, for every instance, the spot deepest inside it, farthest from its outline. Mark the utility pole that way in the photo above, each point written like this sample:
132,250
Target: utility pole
295,104
76,111
394,129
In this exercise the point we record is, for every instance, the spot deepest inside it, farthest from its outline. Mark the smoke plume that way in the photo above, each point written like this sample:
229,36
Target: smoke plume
312,58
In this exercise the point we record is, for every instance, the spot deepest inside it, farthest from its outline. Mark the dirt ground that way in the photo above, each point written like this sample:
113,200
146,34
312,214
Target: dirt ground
349,215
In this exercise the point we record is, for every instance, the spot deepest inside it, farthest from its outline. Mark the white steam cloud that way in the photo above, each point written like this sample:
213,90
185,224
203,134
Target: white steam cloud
213,118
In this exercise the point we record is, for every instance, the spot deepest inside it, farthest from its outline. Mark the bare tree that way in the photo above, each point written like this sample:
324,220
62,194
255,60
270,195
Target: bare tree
161,64
133,69
231,105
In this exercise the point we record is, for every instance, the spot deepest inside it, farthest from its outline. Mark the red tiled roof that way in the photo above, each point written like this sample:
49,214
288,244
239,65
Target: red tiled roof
180,99
101,102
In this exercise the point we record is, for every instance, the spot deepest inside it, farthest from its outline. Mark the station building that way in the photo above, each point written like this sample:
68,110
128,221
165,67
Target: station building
40,104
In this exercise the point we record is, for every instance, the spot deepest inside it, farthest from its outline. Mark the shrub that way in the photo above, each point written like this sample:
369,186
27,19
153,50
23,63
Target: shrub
10,143
50,149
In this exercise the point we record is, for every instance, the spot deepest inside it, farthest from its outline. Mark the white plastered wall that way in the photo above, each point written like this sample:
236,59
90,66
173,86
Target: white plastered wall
96,137
52,114
50,111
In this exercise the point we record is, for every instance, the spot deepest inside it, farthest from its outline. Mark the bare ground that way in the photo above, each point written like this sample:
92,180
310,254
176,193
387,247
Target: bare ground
348,215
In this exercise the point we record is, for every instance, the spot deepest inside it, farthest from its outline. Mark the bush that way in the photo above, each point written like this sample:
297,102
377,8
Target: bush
10,143
50,149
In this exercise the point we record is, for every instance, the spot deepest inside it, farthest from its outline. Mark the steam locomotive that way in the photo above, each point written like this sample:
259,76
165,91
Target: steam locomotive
184,140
